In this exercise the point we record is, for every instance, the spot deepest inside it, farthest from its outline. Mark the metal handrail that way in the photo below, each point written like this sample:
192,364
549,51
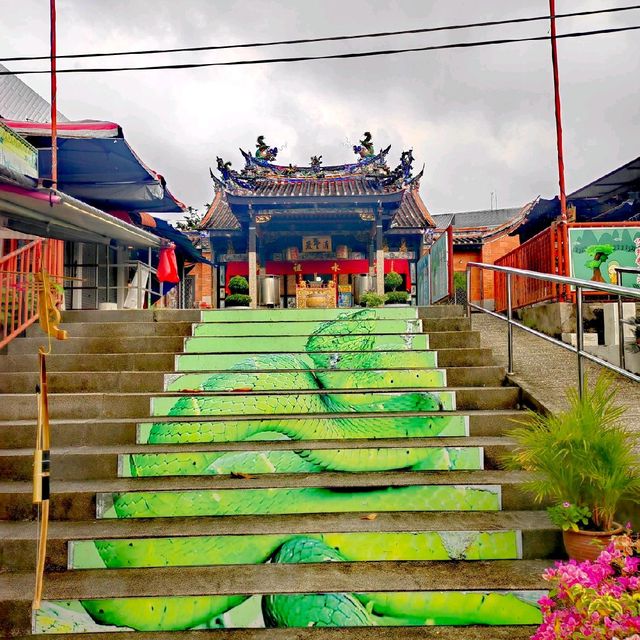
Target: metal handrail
580,285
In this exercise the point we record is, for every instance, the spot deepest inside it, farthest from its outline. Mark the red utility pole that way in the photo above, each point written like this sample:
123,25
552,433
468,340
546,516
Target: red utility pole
556,89
54,99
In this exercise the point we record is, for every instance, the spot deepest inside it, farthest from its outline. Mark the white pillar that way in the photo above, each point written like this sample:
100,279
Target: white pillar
253,264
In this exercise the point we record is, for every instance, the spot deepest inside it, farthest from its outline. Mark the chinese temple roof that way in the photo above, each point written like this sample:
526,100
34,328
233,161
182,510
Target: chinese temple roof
368,182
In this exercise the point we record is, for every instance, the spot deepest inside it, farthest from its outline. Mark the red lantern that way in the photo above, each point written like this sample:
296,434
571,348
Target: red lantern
168,265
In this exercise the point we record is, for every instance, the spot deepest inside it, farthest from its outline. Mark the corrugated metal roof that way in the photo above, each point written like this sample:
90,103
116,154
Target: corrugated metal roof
619,181
18,101
476,219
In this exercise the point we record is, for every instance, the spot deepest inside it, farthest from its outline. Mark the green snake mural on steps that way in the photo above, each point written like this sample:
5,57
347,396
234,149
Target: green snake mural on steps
339,356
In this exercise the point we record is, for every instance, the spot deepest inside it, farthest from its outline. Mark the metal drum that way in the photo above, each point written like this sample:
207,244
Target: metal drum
362,283
269,291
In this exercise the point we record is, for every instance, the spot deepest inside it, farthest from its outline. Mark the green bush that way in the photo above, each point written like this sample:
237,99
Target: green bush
397,297
237,300
238,284
392,281
582,456
371,299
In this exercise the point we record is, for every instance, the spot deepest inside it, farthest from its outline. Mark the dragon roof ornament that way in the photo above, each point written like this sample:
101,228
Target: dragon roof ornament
371,167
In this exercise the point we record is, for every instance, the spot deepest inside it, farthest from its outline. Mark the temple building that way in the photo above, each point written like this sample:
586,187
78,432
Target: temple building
325,232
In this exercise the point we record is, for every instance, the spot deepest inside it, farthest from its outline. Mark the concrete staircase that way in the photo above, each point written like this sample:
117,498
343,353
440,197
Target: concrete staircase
276,467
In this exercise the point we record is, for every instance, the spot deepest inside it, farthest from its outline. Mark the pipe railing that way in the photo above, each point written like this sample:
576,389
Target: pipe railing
580,286
19,286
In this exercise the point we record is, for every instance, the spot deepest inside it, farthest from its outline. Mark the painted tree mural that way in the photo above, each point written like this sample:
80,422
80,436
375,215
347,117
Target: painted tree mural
599,254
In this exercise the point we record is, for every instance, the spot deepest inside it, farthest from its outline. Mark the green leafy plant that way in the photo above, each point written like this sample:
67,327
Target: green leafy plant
569,516
371,299
583,455
392,281
237,300
396,297
239,284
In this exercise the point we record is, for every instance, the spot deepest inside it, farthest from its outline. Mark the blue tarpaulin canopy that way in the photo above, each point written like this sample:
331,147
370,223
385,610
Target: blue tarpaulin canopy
97,165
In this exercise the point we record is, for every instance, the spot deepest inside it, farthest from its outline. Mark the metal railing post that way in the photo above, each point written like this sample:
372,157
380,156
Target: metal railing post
620,324
579,340
509,326
468,292
150,280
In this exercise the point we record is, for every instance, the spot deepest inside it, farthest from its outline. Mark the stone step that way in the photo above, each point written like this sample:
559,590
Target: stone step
118,329
20,434
464,357
82,346
139,361
456,592
441,311
237,402
164,360
295,315
64,406
254,457
430,325
453,339
361,360
540,539
306,327
286,344
130,381
132,316
332,492
476,632
360,546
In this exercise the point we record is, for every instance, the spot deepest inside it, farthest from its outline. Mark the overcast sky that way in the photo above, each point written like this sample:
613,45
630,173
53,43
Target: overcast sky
480,119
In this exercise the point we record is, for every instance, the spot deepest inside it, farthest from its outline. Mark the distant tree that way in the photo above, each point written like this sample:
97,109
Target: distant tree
600,254
192,219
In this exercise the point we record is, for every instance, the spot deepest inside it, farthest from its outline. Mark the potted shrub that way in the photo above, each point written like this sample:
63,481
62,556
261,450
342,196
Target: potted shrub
396,298
392,281
237,300
584,461
239,284
597,599
371,299
239,297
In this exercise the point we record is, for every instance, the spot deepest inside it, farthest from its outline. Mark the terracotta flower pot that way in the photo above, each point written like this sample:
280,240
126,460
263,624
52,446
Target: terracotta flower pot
587,545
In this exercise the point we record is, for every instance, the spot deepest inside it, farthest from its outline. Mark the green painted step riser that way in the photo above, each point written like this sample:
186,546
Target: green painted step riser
302,328
279,381
288,344
197,551
293,315
178,613
312,403
148,465
302,361
227,502
302,429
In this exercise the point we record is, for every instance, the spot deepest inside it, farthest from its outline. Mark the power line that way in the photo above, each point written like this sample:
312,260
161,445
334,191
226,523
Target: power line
333,56
380,34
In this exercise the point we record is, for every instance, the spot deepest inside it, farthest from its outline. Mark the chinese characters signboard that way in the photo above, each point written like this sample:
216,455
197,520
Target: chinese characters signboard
316,244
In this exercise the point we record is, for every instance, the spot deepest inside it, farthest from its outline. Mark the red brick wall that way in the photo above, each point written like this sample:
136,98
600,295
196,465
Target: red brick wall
491,251
202,274
460,258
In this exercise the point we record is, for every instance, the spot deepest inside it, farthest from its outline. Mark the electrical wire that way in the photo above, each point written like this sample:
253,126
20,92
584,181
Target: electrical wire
380,34
332,56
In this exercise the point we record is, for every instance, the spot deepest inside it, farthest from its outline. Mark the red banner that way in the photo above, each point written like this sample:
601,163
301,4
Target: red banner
321,267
